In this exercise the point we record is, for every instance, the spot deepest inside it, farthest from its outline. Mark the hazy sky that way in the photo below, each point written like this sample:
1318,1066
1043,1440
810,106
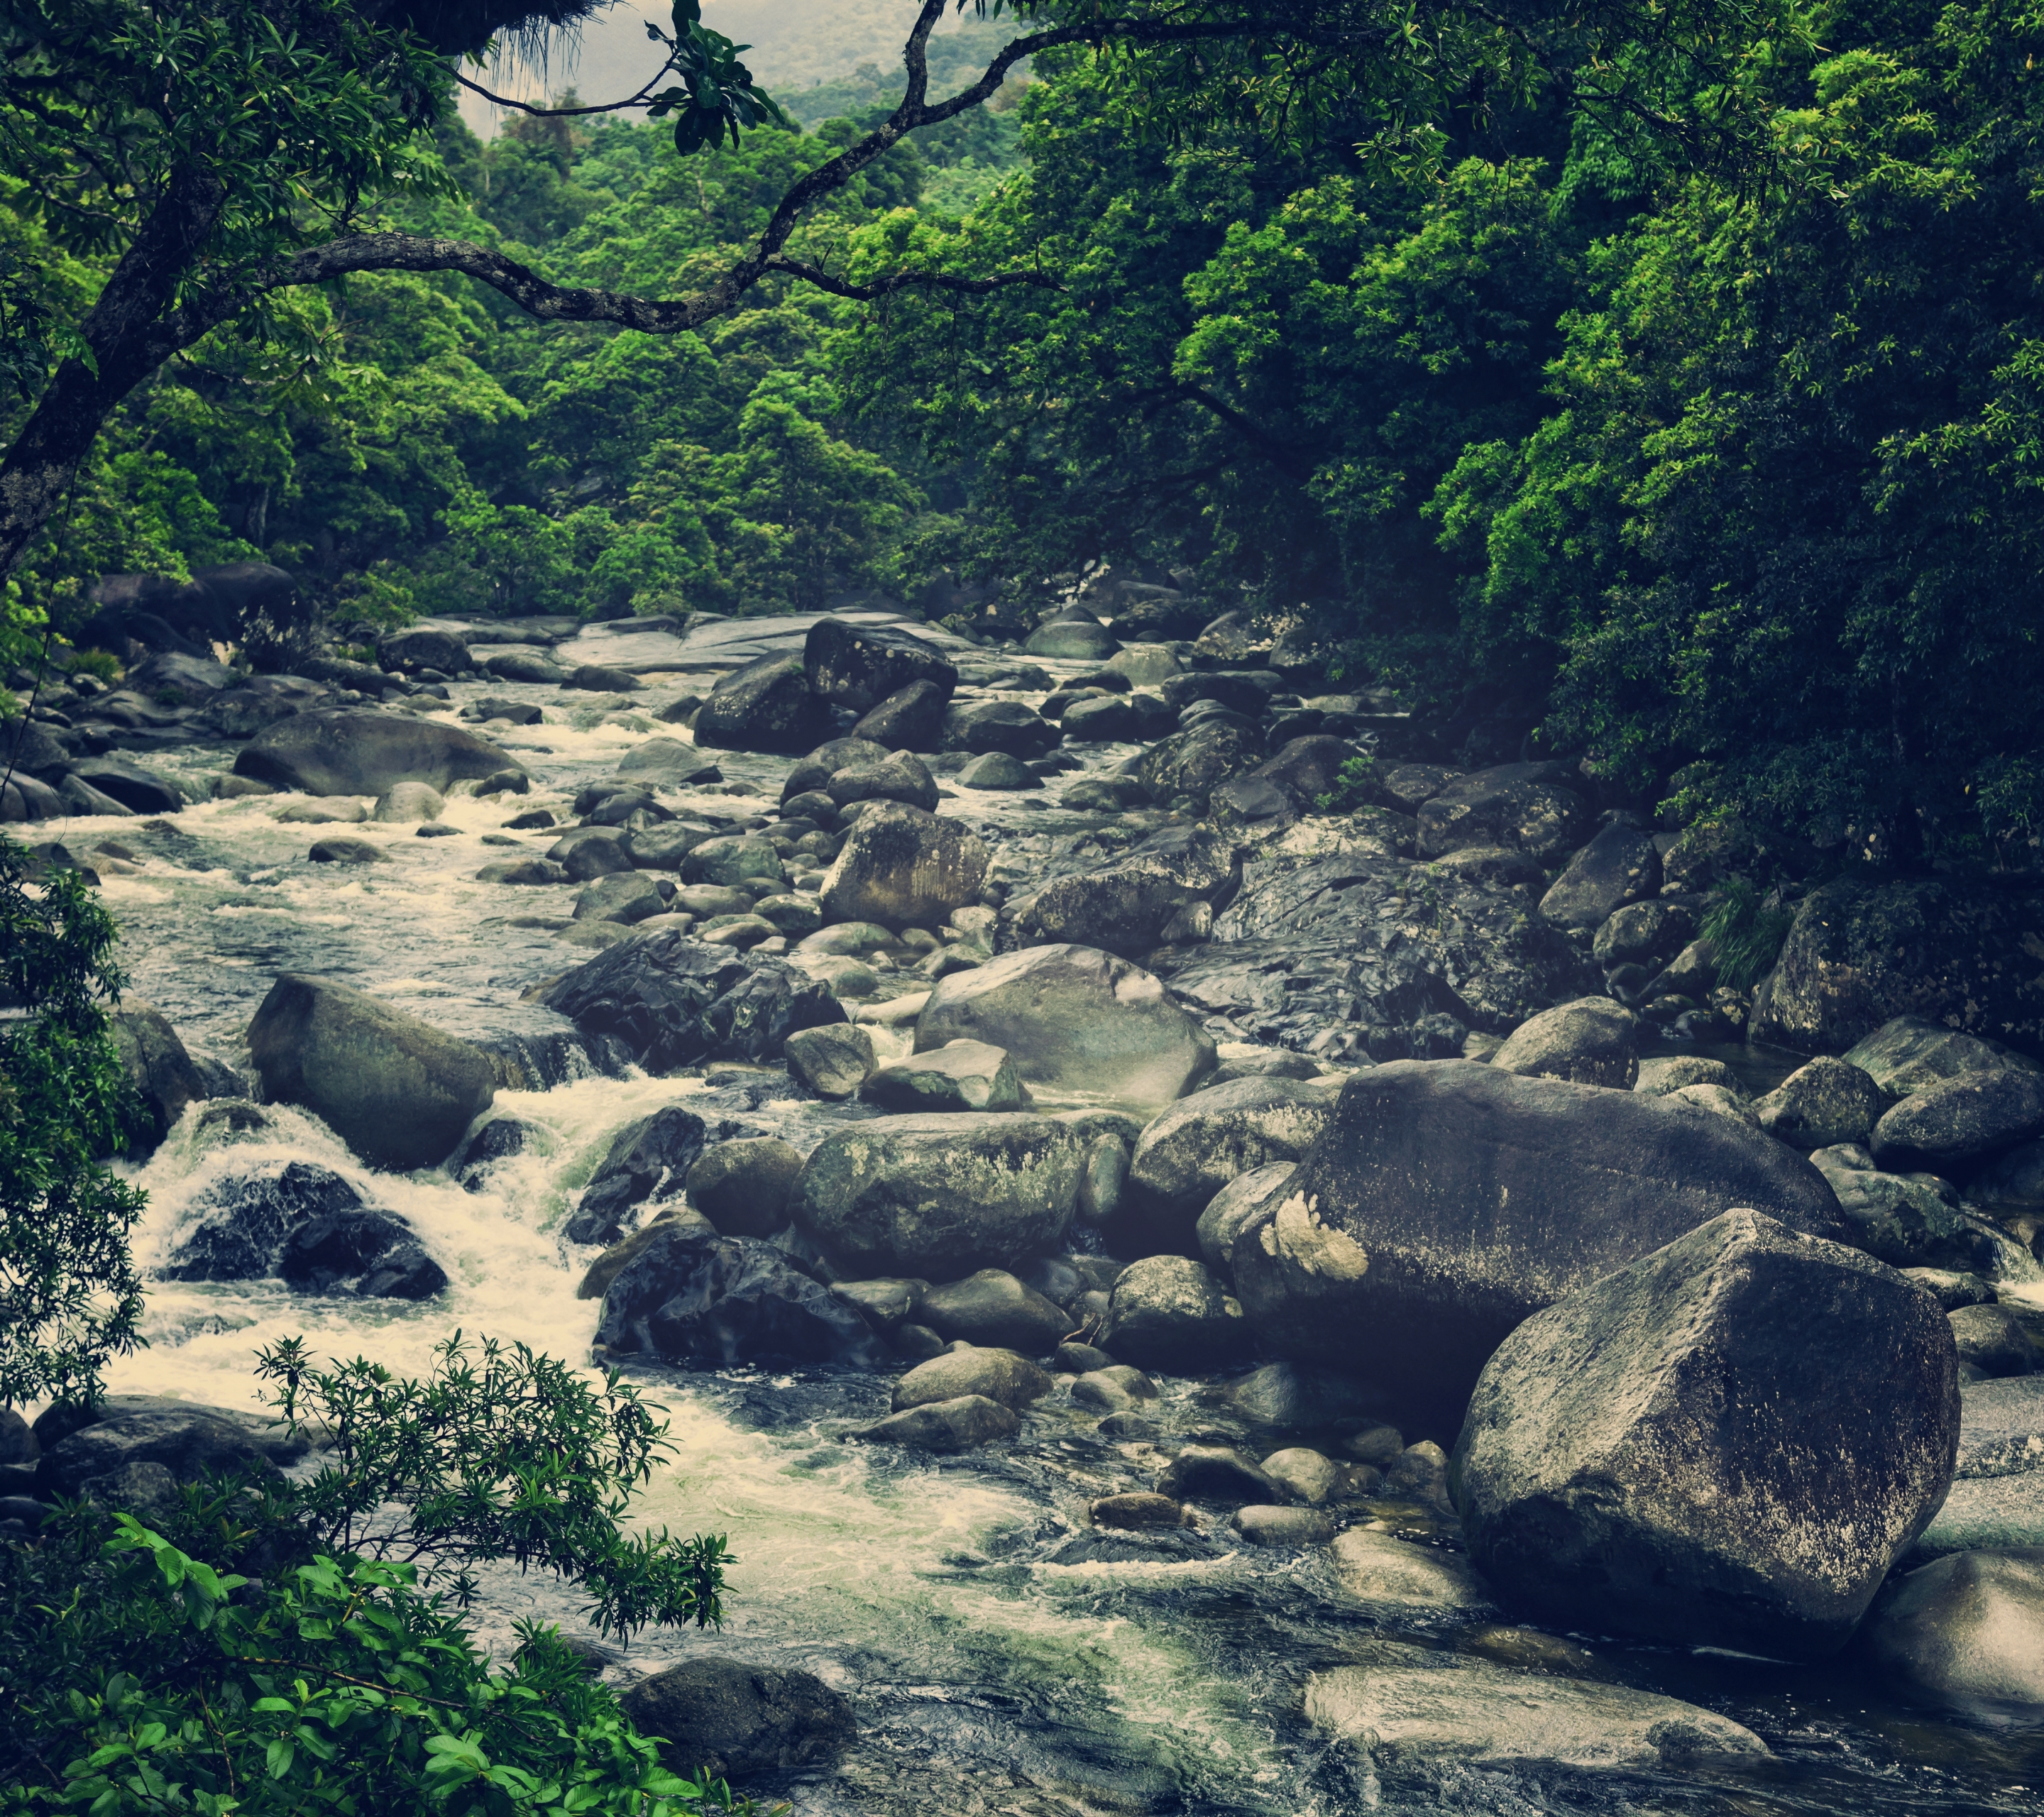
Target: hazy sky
796,43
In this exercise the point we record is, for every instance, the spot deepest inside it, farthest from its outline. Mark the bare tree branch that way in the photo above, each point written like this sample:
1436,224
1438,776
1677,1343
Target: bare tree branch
642,98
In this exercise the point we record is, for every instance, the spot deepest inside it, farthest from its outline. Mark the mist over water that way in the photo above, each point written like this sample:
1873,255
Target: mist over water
985,1678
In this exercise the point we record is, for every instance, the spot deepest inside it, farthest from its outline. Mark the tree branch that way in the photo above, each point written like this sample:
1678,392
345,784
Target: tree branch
639,100
886,286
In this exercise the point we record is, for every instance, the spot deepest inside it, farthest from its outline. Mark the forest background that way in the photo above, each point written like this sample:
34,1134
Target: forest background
1727,476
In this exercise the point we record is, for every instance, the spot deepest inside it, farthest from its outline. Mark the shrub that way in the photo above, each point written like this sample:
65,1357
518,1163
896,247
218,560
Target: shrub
1745,931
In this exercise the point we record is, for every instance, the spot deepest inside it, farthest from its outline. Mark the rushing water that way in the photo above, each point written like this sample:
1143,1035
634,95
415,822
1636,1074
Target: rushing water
986,1677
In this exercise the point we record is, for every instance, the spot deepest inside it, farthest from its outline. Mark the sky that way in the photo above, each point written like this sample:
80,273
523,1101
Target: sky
796,43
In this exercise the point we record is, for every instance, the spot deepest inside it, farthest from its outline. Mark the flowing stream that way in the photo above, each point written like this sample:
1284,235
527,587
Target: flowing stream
985,1678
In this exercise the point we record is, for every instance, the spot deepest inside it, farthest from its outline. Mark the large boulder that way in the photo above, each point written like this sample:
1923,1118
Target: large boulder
859,665
409,652
1910,1053
648,1160
1202,1143
904,868
1967,1631
1591,1042
668,1001
398,1091
1860,954
1524,806
1962,1119
159,1069
765,705
729,1720
939,1195
944,1426
1827,1102
369,1255
184,1439
999,725
1124,907
1727,1442
910,719
992,1308
139,790
1447,1202
745,1187
693,1298
351,751
1620,865
234,1229
1194,762
961,1075
973,1372
900,777
1079,1021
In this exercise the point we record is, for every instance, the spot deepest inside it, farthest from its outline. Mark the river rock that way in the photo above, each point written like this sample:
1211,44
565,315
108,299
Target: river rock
998,770
939,1196
1447,1202
971,1372
1293,1527
407,652
1909,1052
730,1719
1079,1022
704,1300
648,1160
1309,1475
341,850
1111,1387
1906,1220
999,725
397,1090
529,666
1408,1705
960,1075
1673,1452
1379,1567
403,804
1103,1179
1590,1042
1961,1120
992,1309
370,1254
1860,954
1519,805
1218,1472
2001,1428
1828,1101
668,1001
1203,1142
900,777
1135,1510
351,751
1232,1209
902,867
1993,1341
668,763
745,1186
765,705
1168,1312
139,790
1124,907
1282,1394
944,1426
730,861
1194,762
859,665
235,1227
1644,933
186,1439
910,719
1073,639
1967,1631
1620,865
833,1060
623,899
159,1069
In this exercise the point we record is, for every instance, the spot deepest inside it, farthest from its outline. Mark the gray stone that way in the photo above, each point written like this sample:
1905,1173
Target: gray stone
1727,1443
1409,1705
860,666
731,860
1218,1472
832,1061
163,1078
944,1426
185,1438
1310,1475
1620,865
235,1226
1994,1341
1590,1042
1447,1202
1951,1288
1296,1526
1136,1510
1001,1375
1104,1178
765,705
1168,1312
698,1299
668,763
1642,932
1379,1567
1909,1052
1967,1631
885,1303
732,1720
1959,1119
902,867
1292,1394
1521,805
409,652
1904,1219
1082,640
1079,1022
1658,1078
997,770
1861,954
1194,762
1203,1142
898,777
404,803
1233,1209
2001,1428
1124,907
992,1309
910,719
397,1090
1113,1388
526,666
341,850
937,1195
626,898
746,1187
962,1075
369,1255
1718,1101
999,725
357,751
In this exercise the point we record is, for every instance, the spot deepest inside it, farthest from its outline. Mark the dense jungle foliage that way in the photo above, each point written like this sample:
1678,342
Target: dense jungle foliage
1723,466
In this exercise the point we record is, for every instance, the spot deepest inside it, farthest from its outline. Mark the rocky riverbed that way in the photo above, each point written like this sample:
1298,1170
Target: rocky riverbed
1183,1299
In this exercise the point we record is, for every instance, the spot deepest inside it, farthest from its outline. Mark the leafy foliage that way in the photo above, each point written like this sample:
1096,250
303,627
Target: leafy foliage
70,1295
